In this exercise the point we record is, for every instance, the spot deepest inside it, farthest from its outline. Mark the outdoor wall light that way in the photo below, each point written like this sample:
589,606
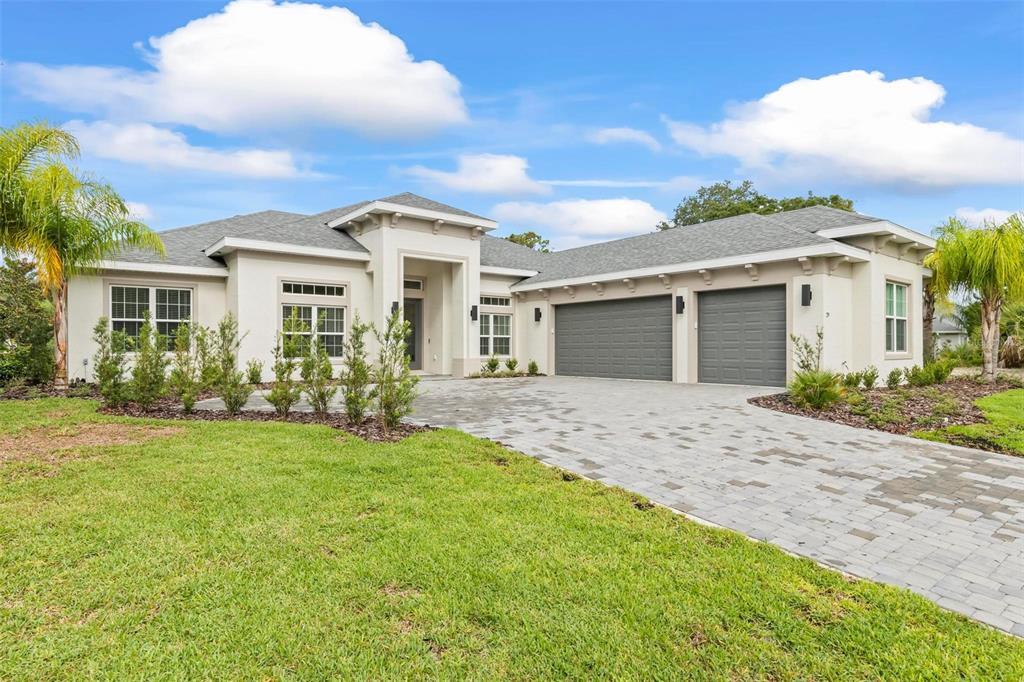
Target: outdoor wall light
805,295
394,307
680,305
536,314
472,313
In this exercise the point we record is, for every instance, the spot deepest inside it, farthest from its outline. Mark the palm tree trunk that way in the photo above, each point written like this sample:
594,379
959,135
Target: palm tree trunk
60,336
927,313
989,338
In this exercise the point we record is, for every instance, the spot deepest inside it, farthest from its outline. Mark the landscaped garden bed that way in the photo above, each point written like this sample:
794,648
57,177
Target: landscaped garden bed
926,411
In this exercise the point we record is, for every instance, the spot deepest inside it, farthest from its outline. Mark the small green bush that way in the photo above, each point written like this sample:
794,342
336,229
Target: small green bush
254,372
532,368
492,365
149,373
807,356
356,374
939,371
286,390
206,358
852,379
316,377
396,384
966,354
109,363
512,365
894,379
231,385
917,376
869,377
816,389
184,380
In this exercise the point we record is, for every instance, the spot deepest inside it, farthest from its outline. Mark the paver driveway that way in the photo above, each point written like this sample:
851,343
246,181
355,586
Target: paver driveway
945,522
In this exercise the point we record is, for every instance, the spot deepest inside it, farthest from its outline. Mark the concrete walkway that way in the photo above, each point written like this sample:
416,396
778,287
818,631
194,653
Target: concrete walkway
945,522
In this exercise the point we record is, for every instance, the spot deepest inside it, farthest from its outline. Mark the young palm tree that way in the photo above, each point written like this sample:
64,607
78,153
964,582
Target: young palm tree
67,222
987,262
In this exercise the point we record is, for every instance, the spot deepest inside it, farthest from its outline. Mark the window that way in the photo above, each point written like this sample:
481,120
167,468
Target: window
414,284
895,317
495,334
503,301
330,327
129,305
307,289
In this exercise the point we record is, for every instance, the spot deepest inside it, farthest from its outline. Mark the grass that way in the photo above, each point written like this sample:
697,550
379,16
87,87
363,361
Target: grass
1005,427
263,550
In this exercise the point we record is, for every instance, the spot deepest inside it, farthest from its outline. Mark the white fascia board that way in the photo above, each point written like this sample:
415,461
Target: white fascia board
229,244
833,249
511,272
162,268
426,214
878,227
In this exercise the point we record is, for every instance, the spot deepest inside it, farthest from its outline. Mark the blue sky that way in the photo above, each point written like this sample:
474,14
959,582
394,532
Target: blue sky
584,121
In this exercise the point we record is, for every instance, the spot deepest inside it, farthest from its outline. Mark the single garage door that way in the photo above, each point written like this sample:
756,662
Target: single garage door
629,338
742,336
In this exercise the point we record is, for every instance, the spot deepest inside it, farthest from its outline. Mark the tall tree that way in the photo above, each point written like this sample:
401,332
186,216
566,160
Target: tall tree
987,262
723,200
531,240
67,222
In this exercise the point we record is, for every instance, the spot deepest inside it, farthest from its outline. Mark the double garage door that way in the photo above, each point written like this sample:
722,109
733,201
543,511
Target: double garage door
741,337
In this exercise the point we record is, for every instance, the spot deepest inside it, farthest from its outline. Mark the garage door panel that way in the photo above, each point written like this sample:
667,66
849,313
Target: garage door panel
621,339
742,336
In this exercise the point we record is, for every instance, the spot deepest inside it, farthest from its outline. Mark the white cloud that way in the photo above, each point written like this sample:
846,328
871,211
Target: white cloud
628,135
484,173
573,222
973,216
861,126
139,211
258,63
684,183
144,144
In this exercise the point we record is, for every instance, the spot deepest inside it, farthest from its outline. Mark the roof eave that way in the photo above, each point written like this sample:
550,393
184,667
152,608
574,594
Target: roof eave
386,207
163,268
901,235
229,244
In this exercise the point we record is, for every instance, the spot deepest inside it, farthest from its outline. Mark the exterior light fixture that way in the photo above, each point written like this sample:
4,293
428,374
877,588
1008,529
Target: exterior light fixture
536,314
472,313
394,307
680,305
805,295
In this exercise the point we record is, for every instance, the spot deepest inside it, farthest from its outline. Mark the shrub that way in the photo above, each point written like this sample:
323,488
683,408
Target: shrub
512,365
396,385
939,371
356,373
894,379
286,391
231,386
254,372
184,380
817,389
26,324
149,374
532,368
869,377
316,377
966,354
917,376
852,379
492,365
807,356
109,363
206,358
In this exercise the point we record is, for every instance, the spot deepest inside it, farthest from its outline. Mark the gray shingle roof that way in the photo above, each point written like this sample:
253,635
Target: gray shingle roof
416,201
311,231
814,218
501,253
943,324
185,245
738,235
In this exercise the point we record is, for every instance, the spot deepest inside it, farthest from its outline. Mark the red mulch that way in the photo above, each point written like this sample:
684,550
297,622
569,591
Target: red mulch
369,429
917,407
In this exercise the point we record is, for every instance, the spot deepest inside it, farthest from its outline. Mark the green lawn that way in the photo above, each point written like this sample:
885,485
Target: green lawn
262,550
1005,427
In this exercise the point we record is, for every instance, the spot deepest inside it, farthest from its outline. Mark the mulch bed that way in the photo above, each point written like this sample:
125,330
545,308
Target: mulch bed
914,407
369,429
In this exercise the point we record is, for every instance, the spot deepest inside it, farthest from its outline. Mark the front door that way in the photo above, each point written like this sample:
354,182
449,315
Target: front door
413,309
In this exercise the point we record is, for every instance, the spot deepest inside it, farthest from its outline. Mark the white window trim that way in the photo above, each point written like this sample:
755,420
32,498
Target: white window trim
500,306
896,352
343,287
490,336
151,303
315,312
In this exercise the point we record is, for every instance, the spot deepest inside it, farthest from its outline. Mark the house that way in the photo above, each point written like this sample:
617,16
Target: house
948,332
714,302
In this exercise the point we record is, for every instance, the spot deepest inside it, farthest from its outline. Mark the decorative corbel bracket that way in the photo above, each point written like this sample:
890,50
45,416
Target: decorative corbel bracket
395,217
631,283
543,293
666,280
806,264
706,274
437,226
598,287
475,234
907,248
834,263
570,290
751,269
882,241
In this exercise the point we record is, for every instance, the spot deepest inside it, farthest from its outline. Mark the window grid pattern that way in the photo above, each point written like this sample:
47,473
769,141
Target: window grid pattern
308,289
495,334
129,305
330,328
502,301
414,284
895,317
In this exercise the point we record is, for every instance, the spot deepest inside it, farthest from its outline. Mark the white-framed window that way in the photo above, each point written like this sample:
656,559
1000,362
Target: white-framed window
495,334
500,301
310,289
329,327
895,317
413,284
168,308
